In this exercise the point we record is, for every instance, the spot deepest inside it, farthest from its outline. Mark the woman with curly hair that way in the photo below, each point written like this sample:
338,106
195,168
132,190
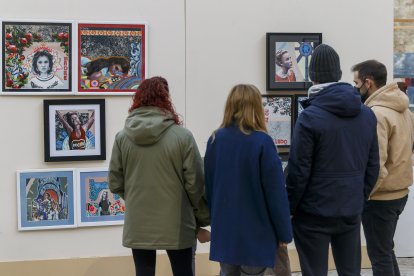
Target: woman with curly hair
157,169
45,78
101,68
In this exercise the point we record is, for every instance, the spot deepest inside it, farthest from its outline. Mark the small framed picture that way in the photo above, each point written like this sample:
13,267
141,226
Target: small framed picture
45,199
37,58
112,57
278,116
74,130
298,105
287,60
96,204
284,157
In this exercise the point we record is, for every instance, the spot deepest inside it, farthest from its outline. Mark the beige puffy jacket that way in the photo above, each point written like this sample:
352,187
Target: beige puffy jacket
395,138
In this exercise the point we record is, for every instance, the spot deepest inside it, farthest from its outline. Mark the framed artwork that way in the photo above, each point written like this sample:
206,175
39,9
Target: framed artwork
74,130
278,116
96,204
45,199
284,157
299,108
36,58
112,58
287,60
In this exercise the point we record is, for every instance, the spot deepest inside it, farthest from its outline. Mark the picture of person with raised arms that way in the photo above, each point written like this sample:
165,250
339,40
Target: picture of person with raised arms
76,131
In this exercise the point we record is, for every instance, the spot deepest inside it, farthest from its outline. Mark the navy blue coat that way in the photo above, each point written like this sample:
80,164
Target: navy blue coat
247,198
334,158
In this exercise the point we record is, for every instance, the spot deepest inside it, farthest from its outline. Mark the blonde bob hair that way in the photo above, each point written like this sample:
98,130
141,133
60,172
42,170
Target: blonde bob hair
244,109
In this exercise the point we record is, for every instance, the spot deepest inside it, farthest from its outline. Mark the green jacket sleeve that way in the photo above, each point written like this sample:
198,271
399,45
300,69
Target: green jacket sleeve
194,182
116,171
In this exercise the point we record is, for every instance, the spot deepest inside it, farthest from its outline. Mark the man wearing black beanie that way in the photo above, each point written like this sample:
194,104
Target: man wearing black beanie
333,165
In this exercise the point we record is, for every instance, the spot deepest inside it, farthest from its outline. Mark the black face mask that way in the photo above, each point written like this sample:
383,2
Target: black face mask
364,96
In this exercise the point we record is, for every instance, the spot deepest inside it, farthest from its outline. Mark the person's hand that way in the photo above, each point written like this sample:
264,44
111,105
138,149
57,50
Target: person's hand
203,235
283,244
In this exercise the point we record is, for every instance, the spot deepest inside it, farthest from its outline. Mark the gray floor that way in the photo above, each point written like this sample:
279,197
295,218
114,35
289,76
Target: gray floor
406,268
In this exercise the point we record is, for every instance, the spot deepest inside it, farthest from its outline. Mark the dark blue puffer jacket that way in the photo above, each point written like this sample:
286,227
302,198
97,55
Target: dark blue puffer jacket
334,159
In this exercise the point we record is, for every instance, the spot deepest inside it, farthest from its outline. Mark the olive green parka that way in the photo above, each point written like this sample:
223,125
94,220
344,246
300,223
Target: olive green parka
157,169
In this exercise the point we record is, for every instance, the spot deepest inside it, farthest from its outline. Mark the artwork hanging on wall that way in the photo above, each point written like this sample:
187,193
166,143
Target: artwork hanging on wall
278,116
45,199
284,157
36,58
74,130
112,58
299,108
96,204
287,60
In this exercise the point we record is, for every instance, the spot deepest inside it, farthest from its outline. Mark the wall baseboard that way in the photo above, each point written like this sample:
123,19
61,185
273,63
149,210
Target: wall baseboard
102,266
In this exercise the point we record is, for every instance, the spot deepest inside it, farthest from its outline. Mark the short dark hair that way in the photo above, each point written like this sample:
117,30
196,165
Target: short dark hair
42,54
372,69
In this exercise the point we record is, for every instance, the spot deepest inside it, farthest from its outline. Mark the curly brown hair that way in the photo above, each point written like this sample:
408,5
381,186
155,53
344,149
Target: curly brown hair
100,63
155,92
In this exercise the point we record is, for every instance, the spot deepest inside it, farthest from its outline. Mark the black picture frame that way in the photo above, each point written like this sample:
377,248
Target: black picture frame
278,111
87,144
284,157
285,45
298,106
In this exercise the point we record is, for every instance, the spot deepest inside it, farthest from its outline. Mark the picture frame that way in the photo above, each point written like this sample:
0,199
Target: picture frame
278,117
74,130
112,57
287,60
284,157
37,57
46,199
97,205
298,107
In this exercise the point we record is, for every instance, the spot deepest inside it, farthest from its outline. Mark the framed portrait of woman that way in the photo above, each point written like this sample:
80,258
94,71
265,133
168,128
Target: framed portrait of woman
36,57
112,57
287,60
74,130
46,199
97,205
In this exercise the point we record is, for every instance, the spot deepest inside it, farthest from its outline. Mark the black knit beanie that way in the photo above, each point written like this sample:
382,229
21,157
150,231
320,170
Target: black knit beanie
324,65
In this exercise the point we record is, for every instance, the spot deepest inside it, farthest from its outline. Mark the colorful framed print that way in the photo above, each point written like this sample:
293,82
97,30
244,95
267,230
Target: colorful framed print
278,116
112,58
46,199
287,60
96,204
74,130
298,105
36,58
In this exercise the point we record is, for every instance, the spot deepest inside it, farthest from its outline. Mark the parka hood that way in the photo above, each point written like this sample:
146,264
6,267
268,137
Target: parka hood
389,96
338,98
146,125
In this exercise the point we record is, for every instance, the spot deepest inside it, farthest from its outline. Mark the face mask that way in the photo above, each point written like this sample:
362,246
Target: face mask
364,95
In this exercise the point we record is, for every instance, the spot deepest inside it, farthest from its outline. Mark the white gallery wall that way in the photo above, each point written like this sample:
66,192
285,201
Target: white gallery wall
203,48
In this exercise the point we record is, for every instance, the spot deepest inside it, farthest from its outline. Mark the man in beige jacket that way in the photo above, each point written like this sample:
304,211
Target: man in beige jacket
395,138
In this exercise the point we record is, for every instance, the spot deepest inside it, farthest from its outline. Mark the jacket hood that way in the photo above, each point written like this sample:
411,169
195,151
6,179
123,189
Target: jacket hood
389,96
146,125
338,98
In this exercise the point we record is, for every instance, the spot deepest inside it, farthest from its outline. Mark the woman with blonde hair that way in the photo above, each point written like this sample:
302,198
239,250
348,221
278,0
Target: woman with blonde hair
245,188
